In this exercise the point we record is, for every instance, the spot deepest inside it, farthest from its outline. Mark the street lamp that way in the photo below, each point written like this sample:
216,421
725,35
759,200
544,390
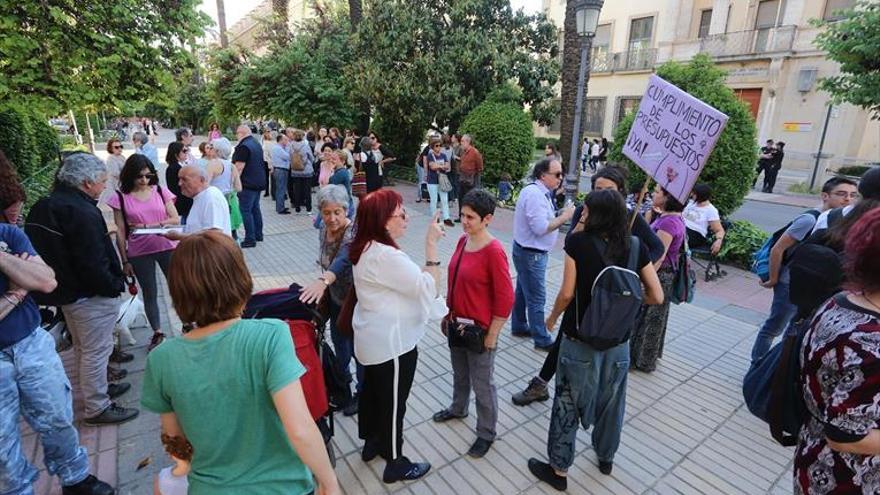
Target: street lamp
587,20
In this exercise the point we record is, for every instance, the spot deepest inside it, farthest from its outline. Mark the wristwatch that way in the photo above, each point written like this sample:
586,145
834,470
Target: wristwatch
432,263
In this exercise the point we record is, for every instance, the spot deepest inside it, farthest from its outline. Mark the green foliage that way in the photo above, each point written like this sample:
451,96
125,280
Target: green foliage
854,42
803,188
731,166
93,54
542,142
503,134
740,243
32,146
854,170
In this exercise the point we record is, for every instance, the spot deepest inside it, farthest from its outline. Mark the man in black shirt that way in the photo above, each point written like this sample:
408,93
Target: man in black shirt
772,169
764,160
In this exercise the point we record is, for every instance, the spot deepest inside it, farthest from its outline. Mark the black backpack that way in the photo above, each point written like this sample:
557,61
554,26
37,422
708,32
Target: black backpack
616,298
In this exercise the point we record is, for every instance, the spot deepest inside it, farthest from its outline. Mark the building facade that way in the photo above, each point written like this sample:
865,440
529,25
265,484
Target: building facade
246,33
766,46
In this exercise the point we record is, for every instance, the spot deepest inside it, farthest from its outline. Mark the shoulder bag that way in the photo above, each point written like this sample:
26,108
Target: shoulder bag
461,332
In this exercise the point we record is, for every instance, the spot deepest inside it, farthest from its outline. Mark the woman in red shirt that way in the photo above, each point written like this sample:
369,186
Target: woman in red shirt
480,293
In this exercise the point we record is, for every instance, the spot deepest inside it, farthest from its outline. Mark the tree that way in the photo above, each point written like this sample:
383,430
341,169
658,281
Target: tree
279,11
355,13
571,57
90,53
424,62
221,23
731,166
854,42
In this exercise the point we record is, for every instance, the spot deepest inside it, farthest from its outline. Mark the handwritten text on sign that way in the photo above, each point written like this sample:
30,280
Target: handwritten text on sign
672,136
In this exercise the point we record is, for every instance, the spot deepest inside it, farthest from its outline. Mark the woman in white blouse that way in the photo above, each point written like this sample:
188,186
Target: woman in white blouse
701,217
396,299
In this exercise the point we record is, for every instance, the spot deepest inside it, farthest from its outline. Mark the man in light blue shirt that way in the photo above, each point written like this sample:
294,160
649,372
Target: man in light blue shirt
535,229
142,146
280,172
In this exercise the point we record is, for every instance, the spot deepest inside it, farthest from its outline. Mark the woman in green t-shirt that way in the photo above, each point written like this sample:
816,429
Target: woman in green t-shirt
230,387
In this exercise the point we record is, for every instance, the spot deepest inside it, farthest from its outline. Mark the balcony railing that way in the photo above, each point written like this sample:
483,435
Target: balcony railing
756,41
632,60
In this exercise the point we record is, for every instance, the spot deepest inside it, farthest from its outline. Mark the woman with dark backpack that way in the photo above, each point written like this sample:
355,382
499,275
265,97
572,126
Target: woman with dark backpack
141,203
592,372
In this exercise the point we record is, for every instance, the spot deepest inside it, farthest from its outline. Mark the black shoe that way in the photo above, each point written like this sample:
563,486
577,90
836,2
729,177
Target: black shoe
370,451
479,448
605,467
248,244
88,486
296,210
113,415
521,335
121,357
114,390
403,469
544,348
352,408
116,374
446,415
284,212
545,473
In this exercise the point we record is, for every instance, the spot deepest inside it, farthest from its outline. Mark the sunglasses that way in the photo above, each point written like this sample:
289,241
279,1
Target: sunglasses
117,147
146,176
559,175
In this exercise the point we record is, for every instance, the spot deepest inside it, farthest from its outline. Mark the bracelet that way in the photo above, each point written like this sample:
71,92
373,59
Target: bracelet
432,263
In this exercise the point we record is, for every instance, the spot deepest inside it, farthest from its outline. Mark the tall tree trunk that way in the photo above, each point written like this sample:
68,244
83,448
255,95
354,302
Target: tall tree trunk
279,8
221,22
571,54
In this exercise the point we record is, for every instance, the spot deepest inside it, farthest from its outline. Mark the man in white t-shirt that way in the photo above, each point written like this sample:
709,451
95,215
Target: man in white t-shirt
209,210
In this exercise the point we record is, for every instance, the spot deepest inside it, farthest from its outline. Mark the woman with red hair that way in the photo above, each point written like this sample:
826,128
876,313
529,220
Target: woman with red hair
12,195
396,299
839,445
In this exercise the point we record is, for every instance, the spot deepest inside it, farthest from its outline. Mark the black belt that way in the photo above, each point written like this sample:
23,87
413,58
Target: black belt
531,250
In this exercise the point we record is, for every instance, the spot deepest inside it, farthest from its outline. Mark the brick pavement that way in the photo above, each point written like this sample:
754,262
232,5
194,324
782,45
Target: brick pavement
686,428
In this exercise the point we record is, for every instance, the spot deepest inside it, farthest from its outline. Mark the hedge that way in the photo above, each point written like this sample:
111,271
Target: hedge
741,241
503,134
32,146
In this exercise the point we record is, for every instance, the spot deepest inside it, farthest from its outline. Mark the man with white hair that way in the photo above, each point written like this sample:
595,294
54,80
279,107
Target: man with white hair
68,231
248,159
142,146
209,210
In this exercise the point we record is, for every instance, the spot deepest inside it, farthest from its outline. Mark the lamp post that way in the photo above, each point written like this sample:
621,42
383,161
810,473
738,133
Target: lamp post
587,17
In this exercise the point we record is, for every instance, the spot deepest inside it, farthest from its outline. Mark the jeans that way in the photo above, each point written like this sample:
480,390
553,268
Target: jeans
249,202
531,295
472,370
33,384
279,178
344,347
590,390
781,313
91,322
434,192
145,271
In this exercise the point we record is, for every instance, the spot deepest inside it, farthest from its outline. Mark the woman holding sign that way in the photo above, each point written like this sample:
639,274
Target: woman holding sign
646,346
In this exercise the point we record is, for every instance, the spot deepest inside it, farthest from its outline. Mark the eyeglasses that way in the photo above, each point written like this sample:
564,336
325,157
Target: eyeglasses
185,150
117,146
844,194
436,146
146,176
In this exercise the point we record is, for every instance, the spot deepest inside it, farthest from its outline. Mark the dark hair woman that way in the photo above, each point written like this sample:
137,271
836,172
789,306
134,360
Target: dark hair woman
647,340
838,447
115,161
396,299
595,395
142,203
176,158
701,217
247,419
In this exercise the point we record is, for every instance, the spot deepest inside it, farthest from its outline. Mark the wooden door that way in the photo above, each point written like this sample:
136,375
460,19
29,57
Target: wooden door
752,98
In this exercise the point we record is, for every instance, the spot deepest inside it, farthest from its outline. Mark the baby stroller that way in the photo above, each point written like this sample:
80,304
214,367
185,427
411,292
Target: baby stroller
307,329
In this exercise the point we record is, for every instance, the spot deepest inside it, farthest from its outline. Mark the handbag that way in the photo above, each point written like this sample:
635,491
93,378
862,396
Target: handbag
685,282
359,184
460,333
444,183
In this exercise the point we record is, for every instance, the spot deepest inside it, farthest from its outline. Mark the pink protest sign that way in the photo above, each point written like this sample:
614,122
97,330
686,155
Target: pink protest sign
672,136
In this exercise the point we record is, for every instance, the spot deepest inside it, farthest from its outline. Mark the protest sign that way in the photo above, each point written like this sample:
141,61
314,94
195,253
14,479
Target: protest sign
672,136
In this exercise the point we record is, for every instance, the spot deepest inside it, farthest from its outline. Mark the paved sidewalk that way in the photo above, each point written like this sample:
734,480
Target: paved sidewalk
686,427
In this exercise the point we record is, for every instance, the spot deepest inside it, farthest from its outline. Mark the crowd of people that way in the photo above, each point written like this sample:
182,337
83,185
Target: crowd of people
381,302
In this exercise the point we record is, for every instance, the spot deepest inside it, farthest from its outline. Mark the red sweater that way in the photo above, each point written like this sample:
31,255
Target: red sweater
483,289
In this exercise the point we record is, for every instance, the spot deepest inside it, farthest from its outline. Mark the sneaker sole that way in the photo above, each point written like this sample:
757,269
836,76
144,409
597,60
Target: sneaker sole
108,423
519,403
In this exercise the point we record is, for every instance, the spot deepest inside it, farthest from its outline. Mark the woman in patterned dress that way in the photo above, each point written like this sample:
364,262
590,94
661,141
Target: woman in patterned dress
838,448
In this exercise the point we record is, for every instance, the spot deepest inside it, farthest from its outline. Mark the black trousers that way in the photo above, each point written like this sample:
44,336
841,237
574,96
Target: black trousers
379,421
300,192
770,174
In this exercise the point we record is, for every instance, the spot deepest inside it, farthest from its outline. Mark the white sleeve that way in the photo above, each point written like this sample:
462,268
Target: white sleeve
410,280
713,215
821,222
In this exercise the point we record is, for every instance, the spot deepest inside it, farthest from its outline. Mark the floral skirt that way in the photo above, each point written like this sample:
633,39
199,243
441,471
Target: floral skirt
646,345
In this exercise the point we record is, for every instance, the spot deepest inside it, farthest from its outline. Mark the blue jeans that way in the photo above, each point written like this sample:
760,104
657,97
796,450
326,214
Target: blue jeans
436,194
344,347
781,313
249,202
33,384
280,176
528,306
590,390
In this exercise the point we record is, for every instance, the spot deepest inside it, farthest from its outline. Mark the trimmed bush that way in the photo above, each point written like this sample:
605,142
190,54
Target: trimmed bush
32,146
541,142
731,166
854,170
740,243
503,134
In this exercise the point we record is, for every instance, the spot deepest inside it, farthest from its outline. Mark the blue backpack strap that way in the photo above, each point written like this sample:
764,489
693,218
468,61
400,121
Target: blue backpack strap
632,261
